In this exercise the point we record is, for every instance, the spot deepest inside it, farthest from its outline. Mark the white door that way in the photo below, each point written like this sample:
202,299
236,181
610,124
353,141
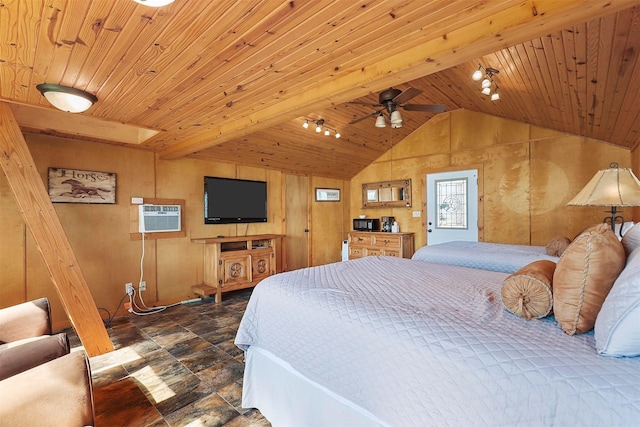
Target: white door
452,206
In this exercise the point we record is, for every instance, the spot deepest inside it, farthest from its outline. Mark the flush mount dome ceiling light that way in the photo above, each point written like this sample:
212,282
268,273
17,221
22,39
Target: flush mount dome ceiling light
66,98
154,3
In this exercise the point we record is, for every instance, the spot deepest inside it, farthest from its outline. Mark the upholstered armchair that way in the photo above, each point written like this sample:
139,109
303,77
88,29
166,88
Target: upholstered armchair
25,337
41,382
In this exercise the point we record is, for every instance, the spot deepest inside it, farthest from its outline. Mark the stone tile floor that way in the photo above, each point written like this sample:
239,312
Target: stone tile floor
178,367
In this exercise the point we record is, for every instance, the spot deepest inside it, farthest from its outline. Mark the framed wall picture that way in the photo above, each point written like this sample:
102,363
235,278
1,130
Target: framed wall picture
327,194
80,186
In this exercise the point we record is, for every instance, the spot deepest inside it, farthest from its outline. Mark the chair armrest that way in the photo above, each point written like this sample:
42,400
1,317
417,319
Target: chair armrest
57,393
18,356
26,320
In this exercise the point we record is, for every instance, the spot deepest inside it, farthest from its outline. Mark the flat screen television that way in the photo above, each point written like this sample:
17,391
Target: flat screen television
229,200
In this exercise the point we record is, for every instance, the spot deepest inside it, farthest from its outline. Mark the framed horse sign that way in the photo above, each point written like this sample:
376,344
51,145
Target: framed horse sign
78,186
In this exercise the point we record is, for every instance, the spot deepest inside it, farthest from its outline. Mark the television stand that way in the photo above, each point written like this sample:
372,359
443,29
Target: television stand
232,263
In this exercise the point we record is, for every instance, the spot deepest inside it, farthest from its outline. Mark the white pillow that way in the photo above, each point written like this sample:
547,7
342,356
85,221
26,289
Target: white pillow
631,239
627,225
617,327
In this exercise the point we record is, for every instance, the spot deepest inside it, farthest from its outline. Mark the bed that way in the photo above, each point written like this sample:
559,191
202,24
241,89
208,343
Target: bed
486,256
396,342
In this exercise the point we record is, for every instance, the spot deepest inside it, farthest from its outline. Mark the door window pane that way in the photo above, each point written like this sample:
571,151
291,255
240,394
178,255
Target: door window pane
452,204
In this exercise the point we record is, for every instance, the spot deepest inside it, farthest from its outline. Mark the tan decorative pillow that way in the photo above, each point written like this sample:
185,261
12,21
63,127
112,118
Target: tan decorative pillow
583,277
528,291
558,245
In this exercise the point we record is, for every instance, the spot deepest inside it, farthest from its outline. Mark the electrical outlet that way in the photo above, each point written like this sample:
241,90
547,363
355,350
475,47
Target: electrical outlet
143,286
416,214
128,288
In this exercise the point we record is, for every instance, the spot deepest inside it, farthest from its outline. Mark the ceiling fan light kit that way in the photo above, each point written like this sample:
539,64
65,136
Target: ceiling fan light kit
486,75
391,100
67,98
320,126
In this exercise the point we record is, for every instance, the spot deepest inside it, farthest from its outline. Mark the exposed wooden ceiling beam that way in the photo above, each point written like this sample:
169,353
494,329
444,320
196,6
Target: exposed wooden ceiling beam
49,236
523,21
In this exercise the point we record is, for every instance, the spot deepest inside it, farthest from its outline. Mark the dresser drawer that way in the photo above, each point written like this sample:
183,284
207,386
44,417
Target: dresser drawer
374,251
391,252
356,252
390,241
360,240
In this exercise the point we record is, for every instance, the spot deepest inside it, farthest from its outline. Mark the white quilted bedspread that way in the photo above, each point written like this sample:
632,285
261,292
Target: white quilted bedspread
483,255
422,344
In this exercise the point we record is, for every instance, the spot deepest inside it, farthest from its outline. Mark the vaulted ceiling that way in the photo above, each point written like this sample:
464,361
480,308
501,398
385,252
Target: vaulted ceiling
233,81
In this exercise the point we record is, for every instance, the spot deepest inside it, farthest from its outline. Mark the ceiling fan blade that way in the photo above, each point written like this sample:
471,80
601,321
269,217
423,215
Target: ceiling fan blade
375,113
406,95
433,108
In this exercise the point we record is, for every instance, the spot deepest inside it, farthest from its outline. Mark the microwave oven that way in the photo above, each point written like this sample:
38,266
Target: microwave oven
366,224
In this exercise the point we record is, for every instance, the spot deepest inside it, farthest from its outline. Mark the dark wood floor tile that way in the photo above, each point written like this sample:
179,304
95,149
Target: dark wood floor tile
188,346
123,404
203,359
222,374
211,410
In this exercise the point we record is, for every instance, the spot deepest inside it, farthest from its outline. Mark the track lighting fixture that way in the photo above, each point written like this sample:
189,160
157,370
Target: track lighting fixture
66,98
486,75
320,127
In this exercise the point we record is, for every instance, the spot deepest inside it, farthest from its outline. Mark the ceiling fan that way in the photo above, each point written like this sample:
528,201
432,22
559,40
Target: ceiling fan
391,100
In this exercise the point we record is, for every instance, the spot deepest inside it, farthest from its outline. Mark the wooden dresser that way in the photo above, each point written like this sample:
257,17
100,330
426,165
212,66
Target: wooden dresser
364,243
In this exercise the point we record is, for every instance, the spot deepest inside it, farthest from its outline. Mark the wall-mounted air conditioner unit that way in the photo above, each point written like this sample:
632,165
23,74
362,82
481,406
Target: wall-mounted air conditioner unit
158,218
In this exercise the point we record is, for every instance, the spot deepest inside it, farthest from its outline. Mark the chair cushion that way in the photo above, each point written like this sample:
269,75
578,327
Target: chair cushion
29,319
18,356
56,393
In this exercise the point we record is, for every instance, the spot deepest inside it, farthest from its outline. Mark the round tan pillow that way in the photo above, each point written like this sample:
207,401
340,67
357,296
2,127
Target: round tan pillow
584,275
557,245
528,291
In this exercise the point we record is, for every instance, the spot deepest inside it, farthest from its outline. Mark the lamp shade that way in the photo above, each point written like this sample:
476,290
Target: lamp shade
380,123
66,98
395,118
610,187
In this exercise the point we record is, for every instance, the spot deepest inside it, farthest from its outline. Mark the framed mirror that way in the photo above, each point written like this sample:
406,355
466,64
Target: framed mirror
387,194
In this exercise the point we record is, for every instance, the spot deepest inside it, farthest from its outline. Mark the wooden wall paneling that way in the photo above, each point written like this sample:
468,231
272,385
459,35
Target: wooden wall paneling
560,169
13,287
38,213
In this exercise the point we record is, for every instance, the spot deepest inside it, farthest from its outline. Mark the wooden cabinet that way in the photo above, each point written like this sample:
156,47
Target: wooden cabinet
232,263
364,243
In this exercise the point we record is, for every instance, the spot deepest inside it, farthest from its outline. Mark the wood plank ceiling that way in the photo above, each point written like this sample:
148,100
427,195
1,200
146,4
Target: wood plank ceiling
233,81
